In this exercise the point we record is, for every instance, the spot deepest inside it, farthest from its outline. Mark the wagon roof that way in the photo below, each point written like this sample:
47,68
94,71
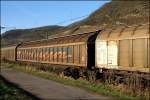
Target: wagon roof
9,46
78,36
125,32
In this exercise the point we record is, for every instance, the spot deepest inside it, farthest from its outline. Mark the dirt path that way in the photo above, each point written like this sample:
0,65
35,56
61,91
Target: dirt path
47,89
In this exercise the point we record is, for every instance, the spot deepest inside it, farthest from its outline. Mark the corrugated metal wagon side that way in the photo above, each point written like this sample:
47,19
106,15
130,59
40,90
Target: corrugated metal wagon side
9,53
69,51
124,48
66,50
122,54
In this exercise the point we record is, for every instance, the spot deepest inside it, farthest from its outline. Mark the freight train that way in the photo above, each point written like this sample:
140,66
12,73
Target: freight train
115,55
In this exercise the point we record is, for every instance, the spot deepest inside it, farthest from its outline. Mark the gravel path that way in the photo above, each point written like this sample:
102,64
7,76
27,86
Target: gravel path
46,89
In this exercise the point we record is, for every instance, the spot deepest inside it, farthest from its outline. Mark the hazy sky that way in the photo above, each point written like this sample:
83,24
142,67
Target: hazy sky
29,14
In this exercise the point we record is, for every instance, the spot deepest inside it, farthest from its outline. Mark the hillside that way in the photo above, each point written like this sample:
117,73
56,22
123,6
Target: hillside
114,13
21,35
127,12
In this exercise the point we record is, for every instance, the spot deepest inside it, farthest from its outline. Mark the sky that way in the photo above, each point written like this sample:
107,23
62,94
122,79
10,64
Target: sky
31,14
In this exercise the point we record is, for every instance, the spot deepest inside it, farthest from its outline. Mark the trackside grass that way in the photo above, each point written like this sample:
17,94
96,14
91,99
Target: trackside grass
99,88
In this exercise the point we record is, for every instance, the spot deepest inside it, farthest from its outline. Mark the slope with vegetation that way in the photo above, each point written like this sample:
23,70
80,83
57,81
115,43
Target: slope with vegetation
114,13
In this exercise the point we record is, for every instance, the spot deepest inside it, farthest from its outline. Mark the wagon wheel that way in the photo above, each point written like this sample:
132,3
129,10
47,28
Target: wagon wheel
67,71
75,73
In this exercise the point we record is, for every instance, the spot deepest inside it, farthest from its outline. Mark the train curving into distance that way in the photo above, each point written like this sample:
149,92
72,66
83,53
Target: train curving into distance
115,55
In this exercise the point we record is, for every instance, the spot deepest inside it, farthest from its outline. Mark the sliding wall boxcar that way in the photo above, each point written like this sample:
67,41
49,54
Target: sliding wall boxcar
67,50
124,48
9,53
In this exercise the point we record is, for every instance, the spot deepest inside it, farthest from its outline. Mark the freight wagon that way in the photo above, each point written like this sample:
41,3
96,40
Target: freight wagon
113,54
69,50
124,54
9,53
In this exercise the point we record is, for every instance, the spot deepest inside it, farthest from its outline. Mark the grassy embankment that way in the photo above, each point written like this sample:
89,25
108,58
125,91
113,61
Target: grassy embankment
99,88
